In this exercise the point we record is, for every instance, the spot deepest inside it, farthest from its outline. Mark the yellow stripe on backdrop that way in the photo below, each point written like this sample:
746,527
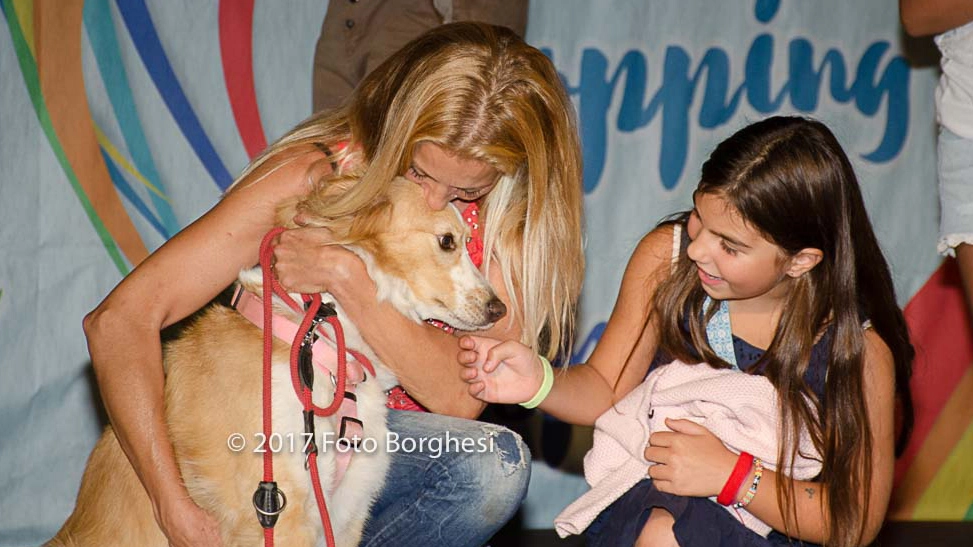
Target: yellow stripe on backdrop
942,443
951,492
25,14
58,46
124,163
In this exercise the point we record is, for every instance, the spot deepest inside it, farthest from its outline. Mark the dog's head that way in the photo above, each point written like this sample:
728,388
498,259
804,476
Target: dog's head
417,257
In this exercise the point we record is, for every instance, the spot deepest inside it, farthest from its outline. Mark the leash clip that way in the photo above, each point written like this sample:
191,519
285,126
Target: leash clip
269,502
305,363
311,446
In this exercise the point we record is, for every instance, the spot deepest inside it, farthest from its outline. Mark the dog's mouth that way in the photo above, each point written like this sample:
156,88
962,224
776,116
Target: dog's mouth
454,322
439,324
442,325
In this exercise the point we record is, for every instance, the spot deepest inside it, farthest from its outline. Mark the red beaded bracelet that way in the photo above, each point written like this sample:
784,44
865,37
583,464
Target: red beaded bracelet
740,470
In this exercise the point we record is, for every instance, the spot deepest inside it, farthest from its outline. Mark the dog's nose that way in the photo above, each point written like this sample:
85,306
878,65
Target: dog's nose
495,309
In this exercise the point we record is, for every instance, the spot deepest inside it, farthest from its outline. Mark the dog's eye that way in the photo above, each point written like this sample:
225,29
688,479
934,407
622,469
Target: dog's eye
447,242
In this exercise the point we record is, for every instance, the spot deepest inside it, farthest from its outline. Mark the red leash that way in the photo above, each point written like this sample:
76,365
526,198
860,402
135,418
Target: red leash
270,286
267,492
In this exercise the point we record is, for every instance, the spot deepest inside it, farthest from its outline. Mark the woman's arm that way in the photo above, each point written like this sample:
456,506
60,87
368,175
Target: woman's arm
697,464
582,392
925,17
123,334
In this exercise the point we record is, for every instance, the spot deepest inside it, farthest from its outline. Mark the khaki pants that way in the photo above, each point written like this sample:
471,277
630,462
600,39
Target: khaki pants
357,35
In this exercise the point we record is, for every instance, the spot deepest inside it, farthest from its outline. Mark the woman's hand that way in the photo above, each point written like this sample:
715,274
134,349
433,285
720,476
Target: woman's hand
690,461
499,372
188,525
307,261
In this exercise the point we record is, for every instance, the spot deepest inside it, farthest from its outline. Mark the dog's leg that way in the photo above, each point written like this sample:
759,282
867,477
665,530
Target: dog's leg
213,392
113,508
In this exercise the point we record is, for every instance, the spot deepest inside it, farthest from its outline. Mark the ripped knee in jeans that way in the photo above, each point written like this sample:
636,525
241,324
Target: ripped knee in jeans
509,448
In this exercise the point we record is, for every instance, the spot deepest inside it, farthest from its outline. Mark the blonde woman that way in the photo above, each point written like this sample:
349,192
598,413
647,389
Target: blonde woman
470,113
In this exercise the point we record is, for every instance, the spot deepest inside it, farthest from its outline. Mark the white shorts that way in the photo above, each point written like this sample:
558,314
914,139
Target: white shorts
955,191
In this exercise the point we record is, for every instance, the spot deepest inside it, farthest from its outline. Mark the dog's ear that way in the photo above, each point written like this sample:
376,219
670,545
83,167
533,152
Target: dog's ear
312,206
352,228
286,211
370,221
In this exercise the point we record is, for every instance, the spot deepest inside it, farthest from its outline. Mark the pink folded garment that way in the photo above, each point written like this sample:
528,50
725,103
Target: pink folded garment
740,409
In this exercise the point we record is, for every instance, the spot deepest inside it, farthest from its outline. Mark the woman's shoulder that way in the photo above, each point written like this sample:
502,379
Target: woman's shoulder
286,173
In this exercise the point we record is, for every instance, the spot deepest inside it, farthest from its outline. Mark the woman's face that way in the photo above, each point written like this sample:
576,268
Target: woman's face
445,177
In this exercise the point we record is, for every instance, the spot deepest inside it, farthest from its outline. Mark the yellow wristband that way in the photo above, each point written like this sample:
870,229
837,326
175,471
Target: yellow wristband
546,384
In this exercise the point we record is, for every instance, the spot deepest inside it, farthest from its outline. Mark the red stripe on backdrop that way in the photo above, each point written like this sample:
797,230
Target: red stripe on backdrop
236,48
940,329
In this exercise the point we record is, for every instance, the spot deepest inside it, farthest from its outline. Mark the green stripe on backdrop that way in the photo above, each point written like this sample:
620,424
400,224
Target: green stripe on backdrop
31,78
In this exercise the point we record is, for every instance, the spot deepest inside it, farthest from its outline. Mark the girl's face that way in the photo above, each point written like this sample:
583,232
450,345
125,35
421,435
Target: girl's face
734,261
445,177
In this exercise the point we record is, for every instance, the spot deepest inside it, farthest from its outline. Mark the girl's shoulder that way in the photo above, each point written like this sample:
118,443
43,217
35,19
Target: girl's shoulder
666,240
878,356
657,249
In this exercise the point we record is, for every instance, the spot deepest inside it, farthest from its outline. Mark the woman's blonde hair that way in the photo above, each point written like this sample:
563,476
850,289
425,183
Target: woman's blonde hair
480,92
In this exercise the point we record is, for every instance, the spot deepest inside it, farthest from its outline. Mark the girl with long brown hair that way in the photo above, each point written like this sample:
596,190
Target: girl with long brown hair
779,244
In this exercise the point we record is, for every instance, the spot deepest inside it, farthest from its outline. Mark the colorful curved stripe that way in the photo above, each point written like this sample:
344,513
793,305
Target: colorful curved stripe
950,493
58,30
942,386
939,326
109,148
146,39
126,190
925,475
101,35
236,50
32,80
25,13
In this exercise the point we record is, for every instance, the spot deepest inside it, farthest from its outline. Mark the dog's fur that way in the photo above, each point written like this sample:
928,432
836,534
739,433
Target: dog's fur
418,260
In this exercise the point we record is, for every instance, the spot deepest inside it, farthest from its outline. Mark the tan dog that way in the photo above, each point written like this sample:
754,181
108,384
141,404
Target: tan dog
418,260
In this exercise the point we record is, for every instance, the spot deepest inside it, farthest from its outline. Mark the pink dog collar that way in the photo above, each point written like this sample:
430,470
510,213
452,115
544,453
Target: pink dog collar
325,357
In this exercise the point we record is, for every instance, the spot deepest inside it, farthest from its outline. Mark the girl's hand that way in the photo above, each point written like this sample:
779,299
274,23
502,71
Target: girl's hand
306,261
499,372
690,461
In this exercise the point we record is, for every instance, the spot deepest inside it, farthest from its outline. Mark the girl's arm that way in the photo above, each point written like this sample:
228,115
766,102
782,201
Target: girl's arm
697,463
879,391
582,392
123,335
925,17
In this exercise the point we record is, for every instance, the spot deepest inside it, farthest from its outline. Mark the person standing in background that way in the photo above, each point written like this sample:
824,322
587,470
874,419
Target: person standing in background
357,35
952,23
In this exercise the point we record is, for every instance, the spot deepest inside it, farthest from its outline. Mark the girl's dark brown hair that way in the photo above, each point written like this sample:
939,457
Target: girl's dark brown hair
789,179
